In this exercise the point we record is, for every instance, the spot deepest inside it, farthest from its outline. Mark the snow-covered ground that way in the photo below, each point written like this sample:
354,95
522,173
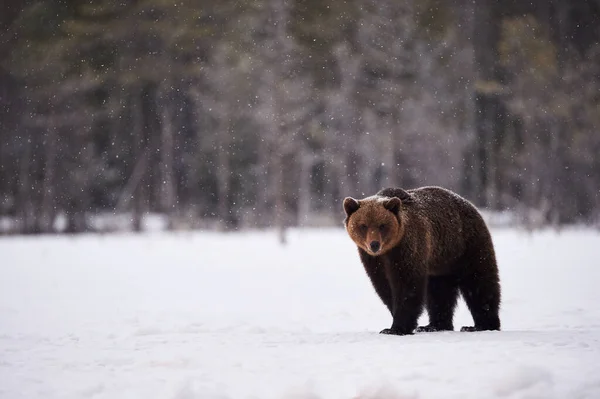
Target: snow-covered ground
206,315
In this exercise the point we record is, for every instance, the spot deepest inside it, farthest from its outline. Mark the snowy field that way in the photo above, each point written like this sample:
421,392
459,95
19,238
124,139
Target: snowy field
207,315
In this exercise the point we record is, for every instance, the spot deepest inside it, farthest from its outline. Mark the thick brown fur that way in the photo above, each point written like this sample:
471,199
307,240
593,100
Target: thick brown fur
422,247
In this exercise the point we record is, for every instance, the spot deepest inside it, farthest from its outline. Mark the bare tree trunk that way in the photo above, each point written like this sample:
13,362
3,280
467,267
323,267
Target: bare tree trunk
47,210
552,193
343,108
280,208
472,171
262,183
139,144
168,195
390,179
368,176
134,180
534,208
304,189
223,174
485,41
491,161
24,208
281,12
284,108
333,188
79,192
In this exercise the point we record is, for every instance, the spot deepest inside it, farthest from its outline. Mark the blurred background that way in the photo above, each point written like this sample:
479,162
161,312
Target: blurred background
218,114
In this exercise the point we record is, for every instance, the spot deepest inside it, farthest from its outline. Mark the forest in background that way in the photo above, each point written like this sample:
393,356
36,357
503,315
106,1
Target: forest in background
267,113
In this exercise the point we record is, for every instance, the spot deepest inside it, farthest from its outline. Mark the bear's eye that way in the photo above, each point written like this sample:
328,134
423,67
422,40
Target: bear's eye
382,227
362,228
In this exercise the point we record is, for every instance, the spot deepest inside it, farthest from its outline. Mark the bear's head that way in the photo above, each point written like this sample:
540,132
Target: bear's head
374,223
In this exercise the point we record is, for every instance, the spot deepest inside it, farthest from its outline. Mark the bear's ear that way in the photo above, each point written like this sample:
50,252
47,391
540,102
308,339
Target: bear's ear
392,205
350,205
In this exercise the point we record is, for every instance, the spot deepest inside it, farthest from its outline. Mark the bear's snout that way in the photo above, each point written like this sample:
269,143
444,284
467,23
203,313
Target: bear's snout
375,246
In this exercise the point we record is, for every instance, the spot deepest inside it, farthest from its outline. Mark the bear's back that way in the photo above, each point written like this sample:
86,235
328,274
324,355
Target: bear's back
450,223
448,210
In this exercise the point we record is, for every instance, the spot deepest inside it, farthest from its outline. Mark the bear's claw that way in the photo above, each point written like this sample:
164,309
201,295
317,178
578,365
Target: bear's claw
390,331
473,328
427,328
430,328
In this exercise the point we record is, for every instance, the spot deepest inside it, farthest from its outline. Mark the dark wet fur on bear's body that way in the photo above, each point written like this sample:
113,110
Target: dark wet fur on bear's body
421,248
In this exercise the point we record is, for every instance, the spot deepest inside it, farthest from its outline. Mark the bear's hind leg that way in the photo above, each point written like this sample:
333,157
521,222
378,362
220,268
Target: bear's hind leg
442,294
481,291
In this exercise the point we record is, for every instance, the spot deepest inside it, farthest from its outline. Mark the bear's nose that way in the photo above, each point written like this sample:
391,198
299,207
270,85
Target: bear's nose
374,246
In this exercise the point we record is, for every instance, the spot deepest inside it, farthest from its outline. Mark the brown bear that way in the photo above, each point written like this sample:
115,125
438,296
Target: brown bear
421,247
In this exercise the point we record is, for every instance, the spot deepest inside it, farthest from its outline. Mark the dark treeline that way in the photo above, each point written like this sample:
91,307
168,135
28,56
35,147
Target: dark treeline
229,114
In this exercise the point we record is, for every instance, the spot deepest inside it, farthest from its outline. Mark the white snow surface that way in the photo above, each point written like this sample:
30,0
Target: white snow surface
210,315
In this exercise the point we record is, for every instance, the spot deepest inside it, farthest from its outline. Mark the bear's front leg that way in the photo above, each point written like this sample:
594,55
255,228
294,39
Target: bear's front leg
408,296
